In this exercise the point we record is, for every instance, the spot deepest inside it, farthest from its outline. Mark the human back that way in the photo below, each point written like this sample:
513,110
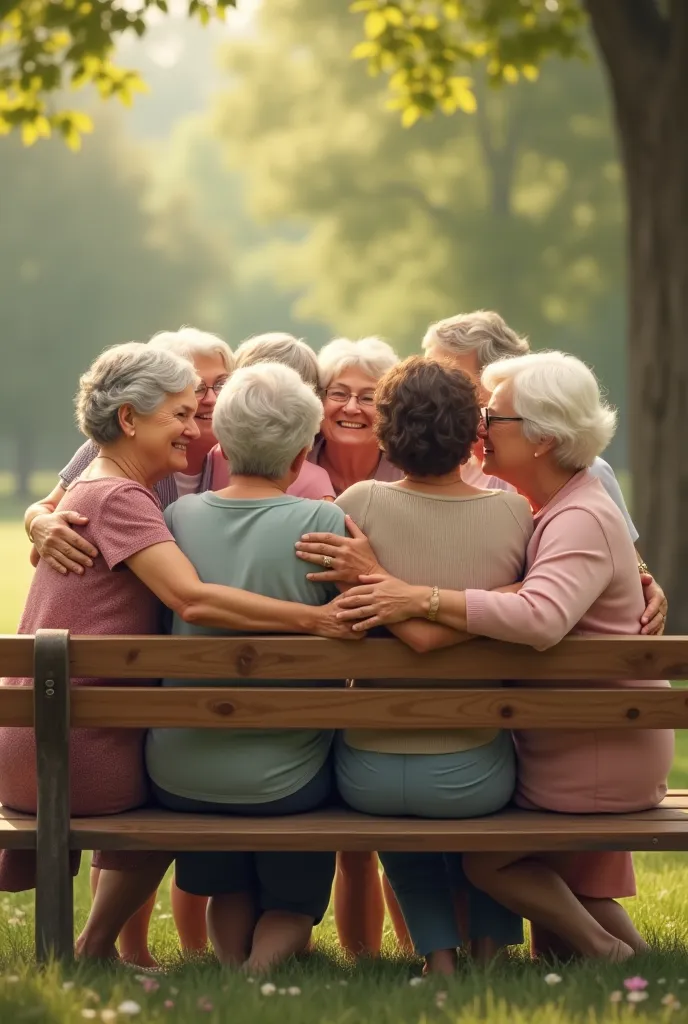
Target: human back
244,536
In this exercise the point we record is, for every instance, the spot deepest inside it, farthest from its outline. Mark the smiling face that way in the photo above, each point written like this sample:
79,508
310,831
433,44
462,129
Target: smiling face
211,370
507,453
349,422
161,439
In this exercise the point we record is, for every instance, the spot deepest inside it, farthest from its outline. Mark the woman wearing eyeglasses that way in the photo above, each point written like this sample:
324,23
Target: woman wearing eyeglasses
349,451
545,424
347,447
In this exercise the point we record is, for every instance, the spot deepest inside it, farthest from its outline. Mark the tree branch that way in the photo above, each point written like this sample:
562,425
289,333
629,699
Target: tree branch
634,38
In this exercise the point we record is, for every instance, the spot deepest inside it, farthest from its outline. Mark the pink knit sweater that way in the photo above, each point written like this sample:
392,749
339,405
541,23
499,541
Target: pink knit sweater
581,577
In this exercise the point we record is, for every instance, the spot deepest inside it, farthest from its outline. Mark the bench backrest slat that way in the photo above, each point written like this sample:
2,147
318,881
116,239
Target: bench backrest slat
311,658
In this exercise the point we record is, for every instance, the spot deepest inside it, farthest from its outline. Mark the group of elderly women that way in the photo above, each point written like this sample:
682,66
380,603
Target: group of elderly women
273,490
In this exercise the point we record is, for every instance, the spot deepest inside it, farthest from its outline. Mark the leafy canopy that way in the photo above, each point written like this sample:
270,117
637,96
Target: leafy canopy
47,46
426,46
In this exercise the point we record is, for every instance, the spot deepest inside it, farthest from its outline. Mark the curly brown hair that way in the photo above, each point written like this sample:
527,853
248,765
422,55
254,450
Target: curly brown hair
427,417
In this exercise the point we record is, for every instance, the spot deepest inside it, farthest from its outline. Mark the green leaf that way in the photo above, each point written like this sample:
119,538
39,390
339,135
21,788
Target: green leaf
410,115
375,24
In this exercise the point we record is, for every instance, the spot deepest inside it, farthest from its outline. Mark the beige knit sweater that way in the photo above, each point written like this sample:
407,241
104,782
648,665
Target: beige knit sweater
476,542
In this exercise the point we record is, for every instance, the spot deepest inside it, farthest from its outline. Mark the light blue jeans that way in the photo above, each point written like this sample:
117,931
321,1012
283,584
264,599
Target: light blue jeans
465,784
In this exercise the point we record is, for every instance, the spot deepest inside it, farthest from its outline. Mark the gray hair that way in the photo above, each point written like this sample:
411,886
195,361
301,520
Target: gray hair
558,396
483,332
131,374
264,416
190,342
276,347
371,356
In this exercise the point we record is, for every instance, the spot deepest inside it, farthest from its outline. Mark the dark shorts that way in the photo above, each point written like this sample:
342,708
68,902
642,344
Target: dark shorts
298,882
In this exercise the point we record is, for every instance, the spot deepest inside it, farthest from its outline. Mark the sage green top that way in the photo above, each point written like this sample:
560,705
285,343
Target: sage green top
247,543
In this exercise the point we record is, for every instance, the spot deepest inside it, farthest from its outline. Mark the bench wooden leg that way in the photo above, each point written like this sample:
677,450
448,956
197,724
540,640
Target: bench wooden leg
54,889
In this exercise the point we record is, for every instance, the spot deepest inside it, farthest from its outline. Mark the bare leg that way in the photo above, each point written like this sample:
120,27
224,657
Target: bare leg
532,889
278,935
441,961
231,920
614,918
397,918
133,939
359,908
544,943
119,895
189,914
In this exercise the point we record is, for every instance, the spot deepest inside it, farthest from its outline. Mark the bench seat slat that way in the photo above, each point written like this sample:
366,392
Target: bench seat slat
662,829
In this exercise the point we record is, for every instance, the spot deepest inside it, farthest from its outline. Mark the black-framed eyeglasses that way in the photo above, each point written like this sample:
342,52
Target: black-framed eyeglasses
340,396
490,417
202,389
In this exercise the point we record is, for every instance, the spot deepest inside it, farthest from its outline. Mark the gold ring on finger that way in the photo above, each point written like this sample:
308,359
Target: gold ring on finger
327,562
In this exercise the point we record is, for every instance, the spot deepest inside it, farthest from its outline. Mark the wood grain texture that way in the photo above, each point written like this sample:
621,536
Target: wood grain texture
527,831
54,895
16,656
304,658
320,708
16,705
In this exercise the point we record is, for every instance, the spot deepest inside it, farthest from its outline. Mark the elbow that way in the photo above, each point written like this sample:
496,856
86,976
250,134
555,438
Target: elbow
544,637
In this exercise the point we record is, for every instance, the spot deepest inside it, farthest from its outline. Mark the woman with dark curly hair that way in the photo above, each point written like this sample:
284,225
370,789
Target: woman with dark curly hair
431,528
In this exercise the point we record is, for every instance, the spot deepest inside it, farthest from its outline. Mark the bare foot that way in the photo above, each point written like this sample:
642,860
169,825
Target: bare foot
618,952
140,958
441,961
90,950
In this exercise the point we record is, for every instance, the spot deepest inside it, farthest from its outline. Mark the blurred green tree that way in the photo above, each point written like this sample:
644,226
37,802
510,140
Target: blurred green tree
518,208
430,48
48,45
85,261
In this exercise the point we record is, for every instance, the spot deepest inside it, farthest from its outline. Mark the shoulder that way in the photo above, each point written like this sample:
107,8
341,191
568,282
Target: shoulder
82,458
184,508
519,508
330,518
355,499
576,526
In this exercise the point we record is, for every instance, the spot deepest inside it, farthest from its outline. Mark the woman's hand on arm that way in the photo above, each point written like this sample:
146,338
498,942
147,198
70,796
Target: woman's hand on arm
352,557
653,619
165,569
384,601
53,539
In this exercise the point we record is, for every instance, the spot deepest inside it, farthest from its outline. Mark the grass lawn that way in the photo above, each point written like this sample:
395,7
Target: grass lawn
330,991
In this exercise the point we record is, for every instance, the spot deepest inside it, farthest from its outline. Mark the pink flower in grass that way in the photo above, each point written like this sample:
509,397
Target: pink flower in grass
635,984
168,1004
149,985
205,1004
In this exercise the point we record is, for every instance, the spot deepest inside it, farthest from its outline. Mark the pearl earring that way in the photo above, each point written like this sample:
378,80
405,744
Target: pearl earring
535,454
132,433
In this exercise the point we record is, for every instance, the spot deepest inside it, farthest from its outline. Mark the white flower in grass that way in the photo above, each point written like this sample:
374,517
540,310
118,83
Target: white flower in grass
129,1008
108,1016
294,990
552,979
671,1001
268,989
637,996
89,1014
67,986
415,982
12,979
616,997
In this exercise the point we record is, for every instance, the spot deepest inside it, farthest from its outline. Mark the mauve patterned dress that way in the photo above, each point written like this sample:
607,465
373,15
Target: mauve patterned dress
107,765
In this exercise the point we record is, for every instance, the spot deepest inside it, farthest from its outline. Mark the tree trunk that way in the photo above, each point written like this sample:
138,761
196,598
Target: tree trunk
649,77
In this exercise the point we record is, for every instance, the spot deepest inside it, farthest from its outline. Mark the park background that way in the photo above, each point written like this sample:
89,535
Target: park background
263,184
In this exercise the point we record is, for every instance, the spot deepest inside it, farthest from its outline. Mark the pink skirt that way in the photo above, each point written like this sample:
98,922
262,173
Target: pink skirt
594,772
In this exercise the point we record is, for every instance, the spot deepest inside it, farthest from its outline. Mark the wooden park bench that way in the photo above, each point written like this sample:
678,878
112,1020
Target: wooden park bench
322,700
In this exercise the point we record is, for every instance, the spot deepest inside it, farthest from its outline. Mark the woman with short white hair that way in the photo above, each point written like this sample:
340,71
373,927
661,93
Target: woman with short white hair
347,447
262,905
51,532
545,423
